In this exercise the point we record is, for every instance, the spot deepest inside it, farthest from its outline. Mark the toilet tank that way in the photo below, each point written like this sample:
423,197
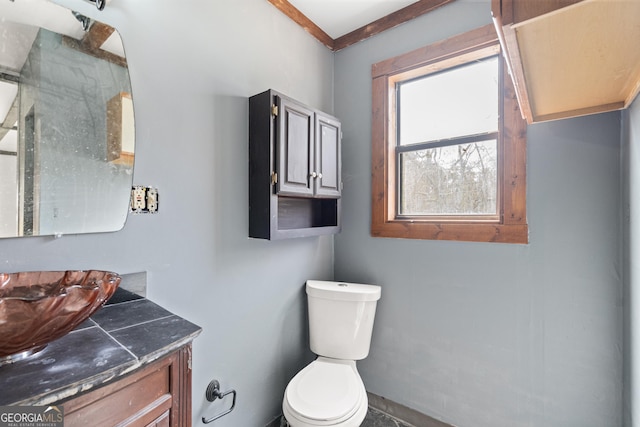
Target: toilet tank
341,318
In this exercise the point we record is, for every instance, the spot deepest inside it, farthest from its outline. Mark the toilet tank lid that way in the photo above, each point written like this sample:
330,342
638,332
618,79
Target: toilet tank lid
343,291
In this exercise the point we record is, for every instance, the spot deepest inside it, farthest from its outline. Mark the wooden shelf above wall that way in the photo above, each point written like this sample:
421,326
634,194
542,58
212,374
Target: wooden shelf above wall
570,57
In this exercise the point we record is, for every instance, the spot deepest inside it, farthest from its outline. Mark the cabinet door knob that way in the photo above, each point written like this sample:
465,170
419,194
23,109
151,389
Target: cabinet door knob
313,174
319,175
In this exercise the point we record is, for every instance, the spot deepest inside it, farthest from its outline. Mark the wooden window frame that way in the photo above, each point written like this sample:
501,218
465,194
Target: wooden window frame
511,224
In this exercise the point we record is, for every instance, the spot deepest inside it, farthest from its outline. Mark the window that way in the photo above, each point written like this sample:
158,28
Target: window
448,144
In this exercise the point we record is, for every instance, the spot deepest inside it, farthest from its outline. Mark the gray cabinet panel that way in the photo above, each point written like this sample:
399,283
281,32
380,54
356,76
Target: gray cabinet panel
327,160
295,132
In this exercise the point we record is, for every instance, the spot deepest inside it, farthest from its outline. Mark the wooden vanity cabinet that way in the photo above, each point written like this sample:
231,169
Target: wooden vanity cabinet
294,169
157,395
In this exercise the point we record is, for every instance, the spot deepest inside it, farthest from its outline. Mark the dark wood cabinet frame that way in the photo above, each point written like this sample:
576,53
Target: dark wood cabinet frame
284,140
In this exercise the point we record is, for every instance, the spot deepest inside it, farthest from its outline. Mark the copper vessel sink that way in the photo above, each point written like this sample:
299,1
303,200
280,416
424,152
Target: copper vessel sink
38,307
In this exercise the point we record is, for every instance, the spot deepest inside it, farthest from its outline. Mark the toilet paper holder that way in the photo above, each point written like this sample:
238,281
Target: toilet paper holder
213,392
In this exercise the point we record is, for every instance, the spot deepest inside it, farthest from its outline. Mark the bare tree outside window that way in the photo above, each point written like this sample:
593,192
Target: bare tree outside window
444,165
448,144
454,180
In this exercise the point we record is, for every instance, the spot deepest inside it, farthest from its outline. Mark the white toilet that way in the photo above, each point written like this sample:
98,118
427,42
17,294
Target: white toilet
329,391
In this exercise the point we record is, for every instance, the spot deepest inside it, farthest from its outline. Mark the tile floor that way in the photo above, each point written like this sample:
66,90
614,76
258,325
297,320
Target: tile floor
374,418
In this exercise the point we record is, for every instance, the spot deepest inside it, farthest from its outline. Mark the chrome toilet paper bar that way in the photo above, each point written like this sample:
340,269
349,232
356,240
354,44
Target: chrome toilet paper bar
213,393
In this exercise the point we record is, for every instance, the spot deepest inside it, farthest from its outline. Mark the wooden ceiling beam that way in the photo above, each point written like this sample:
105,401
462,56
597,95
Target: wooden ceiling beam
96,36
387,22
301,19
376,27
91,44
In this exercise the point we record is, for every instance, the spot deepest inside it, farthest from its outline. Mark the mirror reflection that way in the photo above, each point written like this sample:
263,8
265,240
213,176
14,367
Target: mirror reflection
66,122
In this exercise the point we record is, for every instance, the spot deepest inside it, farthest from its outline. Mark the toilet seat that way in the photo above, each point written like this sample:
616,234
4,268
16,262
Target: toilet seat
327,392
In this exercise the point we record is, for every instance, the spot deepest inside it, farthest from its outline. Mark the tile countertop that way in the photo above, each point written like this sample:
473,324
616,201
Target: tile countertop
127,333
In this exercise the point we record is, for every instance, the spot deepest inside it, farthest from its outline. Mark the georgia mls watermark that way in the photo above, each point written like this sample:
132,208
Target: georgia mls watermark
31,416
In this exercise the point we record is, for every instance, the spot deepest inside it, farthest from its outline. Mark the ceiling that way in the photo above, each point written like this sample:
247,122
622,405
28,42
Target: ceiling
341,23
339,17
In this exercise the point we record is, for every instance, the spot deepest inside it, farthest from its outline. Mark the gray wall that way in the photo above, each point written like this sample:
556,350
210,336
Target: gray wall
193,65
631,197
493,335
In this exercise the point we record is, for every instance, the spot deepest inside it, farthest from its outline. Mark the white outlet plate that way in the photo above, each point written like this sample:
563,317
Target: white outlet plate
138,202
144,199
152,200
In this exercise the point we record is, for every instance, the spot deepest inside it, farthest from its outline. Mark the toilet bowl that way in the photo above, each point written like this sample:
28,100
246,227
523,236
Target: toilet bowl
329,390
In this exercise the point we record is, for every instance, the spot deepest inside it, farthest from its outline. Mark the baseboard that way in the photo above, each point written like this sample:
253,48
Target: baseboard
403,413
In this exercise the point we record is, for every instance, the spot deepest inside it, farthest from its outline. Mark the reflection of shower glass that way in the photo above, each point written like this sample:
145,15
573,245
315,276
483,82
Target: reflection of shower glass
70,178
29,175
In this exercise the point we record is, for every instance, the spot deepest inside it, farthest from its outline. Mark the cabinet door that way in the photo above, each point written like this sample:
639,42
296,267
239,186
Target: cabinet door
328,161
295,135
157,395
162,421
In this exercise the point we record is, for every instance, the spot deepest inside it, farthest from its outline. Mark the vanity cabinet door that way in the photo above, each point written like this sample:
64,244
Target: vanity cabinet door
162,421
157,395
327,171
295,154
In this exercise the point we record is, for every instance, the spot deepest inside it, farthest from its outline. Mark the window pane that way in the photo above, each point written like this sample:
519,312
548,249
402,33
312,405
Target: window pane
461,101
453,180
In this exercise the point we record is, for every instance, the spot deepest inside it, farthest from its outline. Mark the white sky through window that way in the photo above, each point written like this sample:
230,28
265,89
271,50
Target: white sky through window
456,102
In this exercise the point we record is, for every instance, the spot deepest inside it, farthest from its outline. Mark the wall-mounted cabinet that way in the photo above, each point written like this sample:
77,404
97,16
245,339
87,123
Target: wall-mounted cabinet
570,57
294,169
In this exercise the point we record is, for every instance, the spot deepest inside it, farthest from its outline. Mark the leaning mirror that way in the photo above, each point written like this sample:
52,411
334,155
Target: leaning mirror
66,122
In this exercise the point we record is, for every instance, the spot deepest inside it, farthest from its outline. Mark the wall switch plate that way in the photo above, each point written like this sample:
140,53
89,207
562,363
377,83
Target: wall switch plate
144,199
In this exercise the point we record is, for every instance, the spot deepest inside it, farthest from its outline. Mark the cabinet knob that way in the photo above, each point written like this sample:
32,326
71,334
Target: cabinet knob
313,174
319,175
